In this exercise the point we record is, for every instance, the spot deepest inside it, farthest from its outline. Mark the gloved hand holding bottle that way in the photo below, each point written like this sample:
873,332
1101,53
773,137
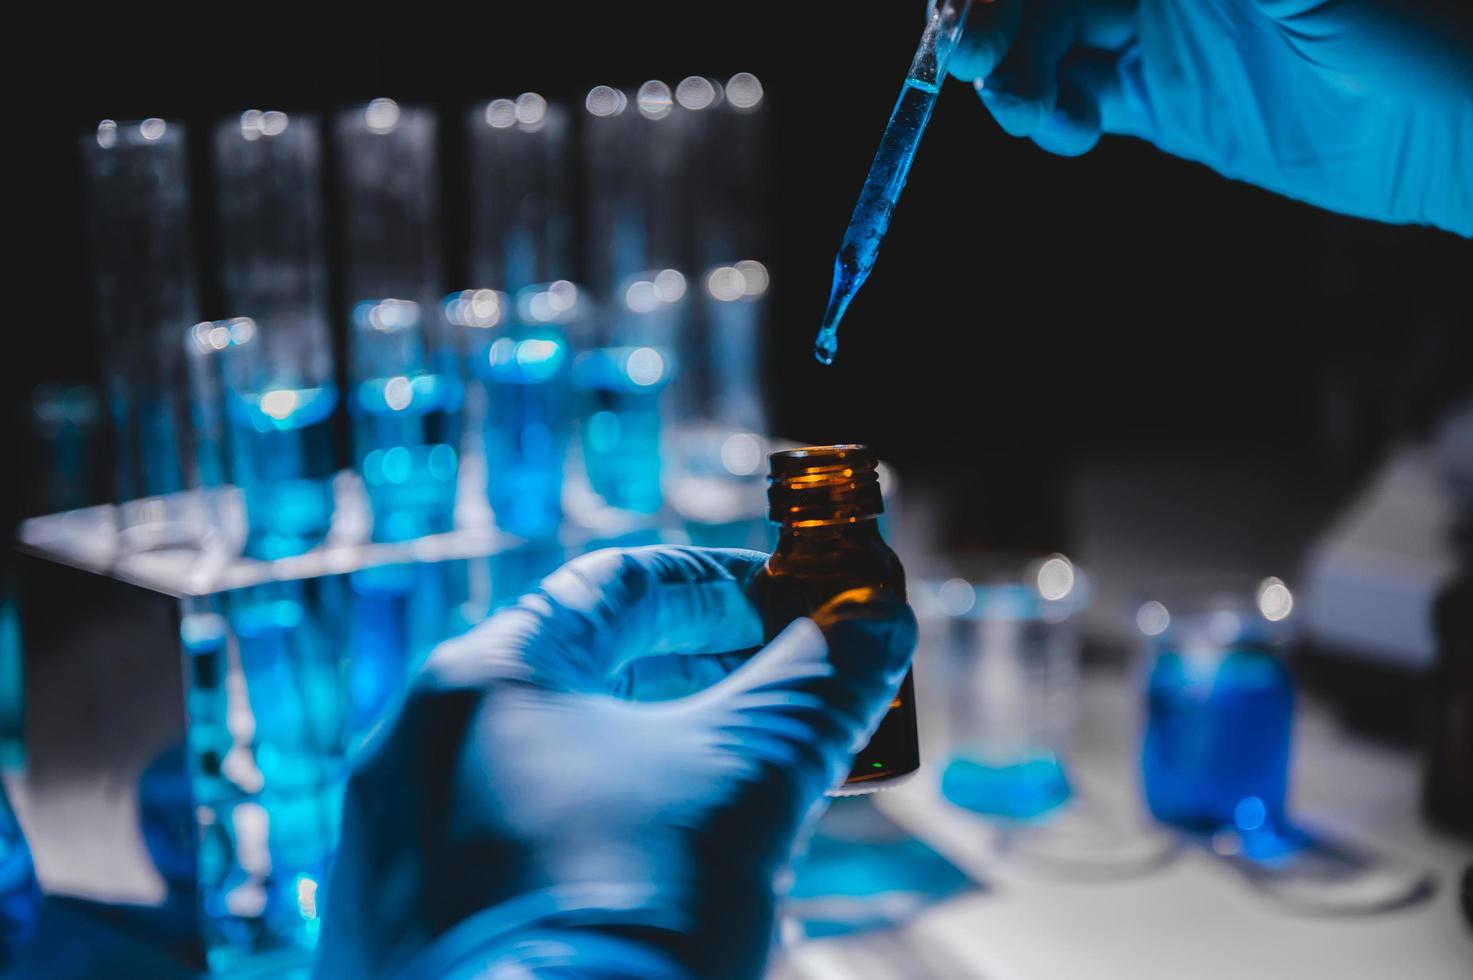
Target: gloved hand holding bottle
603,781
1360,106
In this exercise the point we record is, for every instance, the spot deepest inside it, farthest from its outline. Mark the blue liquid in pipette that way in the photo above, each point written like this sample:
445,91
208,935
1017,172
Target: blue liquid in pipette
871,218
407,433
281,458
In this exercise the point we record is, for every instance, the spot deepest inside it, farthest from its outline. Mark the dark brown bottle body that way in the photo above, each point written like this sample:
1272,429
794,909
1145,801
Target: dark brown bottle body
818,558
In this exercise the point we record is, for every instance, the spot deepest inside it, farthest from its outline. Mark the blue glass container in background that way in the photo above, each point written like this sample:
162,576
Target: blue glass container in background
719,439
279,402
519,361
622,386
406,406
1219,707
634,175
279,381
268,735
138,190
203,344
519,193
20,893
405,366
67,424
1005,660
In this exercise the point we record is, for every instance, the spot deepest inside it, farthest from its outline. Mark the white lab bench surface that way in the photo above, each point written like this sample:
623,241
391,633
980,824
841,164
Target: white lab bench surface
1194,914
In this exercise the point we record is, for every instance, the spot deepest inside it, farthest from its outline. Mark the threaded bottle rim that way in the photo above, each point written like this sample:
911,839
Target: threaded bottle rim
819,486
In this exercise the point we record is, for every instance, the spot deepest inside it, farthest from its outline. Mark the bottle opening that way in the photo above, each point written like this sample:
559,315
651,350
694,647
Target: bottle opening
819,486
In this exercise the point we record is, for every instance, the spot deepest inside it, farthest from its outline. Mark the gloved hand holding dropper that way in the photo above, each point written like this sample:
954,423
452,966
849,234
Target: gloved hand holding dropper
1359,106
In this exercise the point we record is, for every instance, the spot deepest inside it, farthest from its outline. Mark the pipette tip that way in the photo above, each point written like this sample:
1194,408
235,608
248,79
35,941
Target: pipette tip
825,347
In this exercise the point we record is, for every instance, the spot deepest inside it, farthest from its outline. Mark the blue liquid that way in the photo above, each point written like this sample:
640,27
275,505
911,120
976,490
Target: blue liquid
1216,750
863,872
871,217
281,458
407,436
524,374
148,452
290,773
1018,791
20,894
621,433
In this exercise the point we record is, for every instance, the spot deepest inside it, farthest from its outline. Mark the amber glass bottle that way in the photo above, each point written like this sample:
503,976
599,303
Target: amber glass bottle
826,499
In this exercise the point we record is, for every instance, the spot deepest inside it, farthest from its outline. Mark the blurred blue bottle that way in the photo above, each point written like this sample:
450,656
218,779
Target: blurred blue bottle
519,359
621,386
405,366
1219,703
279,378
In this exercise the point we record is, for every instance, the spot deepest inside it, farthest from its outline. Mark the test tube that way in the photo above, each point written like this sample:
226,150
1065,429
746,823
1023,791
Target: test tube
407,388
730,365
519,199
623,385
269,173
203,344
279,402
726,167
138,189
519,356
633,163
720,440
275,366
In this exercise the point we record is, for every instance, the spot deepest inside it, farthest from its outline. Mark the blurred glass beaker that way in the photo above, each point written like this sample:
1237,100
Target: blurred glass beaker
1219,705
1009,666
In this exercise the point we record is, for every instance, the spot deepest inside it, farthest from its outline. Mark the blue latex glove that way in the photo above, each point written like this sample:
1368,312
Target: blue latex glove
531,808
1359,106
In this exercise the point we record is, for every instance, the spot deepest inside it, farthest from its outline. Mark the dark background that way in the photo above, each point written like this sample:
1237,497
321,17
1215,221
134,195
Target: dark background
1031,317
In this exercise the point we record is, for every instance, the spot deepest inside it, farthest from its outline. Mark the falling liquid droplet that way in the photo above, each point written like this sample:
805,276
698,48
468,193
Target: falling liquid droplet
825,348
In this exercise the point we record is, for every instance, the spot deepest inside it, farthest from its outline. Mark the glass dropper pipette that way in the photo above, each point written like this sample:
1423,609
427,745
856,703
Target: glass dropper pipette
861,245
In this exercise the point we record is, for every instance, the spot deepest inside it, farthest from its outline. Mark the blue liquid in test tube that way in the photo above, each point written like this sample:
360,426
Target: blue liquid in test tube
520,362
281,458
621,432
406,422
291,667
